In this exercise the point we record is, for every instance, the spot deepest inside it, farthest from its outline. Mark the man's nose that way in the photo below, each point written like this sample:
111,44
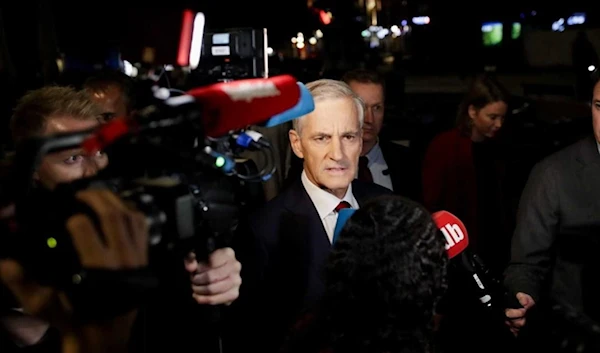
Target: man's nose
368,116
498,123
91,167
335,150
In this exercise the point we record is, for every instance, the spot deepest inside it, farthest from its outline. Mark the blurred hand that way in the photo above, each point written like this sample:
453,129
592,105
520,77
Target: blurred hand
126,246
517,317
218,281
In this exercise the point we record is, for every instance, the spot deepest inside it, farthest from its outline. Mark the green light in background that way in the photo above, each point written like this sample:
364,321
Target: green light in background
492,33
51,242
220,162
516,30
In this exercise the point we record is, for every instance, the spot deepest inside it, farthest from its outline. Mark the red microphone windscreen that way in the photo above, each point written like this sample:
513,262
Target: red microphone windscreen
106,134
235,105
455,232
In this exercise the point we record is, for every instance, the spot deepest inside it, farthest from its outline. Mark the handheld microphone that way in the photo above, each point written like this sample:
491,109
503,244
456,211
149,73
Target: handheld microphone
231,106
305,105
487,288
454,232
457,241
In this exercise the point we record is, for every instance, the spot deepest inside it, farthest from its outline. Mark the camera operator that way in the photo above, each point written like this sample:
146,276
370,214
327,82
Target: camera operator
126,235
52,110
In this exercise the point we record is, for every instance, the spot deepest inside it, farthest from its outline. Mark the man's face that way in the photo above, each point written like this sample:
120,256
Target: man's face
68,165
372,95
330,143
596,110
111,101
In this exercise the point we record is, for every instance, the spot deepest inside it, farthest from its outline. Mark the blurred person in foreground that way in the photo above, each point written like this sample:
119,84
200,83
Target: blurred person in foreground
53,110
383,278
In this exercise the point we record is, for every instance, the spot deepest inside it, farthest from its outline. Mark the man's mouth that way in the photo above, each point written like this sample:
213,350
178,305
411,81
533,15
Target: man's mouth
336,169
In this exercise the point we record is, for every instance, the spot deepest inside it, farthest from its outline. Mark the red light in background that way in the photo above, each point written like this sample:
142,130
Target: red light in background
324,17
185,41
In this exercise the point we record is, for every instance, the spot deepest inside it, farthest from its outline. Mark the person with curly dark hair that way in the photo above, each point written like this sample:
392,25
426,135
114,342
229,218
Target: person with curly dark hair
385,275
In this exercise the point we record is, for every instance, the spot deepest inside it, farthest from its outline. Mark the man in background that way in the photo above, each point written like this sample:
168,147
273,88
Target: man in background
382,162
113,91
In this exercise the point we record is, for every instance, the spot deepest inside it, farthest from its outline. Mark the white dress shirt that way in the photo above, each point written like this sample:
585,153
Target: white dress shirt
377,165
325,203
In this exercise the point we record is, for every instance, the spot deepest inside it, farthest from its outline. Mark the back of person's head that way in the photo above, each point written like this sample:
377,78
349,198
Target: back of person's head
363,76
483,90
35,108
385,275
102,81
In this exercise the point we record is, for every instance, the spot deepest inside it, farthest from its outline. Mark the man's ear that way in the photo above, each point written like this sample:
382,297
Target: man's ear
296,143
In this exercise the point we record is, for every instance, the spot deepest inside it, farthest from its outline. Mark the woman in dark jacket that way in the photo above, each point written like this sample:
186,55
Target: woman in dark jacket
463,170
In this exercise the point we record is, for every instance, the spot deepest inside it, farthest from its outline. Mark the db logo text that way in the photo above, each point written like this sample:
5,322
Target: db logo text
453,234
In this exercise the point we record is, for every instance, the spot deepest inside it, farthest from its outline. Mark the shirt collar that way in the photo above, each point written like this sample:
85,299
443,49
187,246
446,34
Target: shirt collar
374,153
324,201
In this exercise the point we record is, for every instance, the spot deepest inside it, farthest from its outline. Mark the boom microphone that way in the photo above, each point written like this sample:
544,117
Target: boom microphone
305,105
226,107
235,105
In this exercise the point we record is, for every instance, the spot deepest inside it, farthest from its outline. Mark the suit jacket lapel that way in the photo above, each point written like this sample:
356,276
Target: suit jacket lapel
394,162
361,193
304,239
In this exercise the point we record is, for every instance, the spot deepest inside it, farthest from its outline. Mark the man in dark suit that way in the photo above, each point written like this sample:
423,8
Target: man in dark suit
288,241
383,162
556,242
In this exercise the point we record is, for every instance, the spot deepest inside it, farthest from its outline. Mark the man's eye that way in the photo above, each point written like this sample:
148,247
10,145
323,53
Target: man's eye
104,117
74,159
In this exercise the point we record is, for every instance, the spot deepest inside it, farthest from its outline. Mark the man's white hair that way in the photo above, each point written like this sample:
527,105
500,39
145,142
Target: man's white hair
332,89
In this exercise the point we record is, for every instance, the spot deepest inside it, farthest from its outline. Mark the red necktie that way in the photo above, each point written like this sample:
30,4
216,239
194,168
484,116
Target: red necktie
364,173
342,205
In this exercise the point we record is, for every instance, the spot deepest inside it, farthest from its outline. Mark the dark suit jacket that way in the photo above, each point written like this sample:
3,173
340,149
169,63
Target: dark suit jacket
282,258
557,238
403,170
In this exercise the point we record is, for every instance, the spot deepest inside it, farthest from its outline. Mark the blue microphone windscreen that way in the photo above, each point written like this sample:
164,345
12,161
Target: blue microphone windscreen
305,105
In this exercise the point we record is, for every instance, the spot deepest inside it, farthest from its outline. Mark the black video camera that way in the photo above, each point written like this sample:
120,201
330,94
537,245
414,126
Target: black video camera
183,181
